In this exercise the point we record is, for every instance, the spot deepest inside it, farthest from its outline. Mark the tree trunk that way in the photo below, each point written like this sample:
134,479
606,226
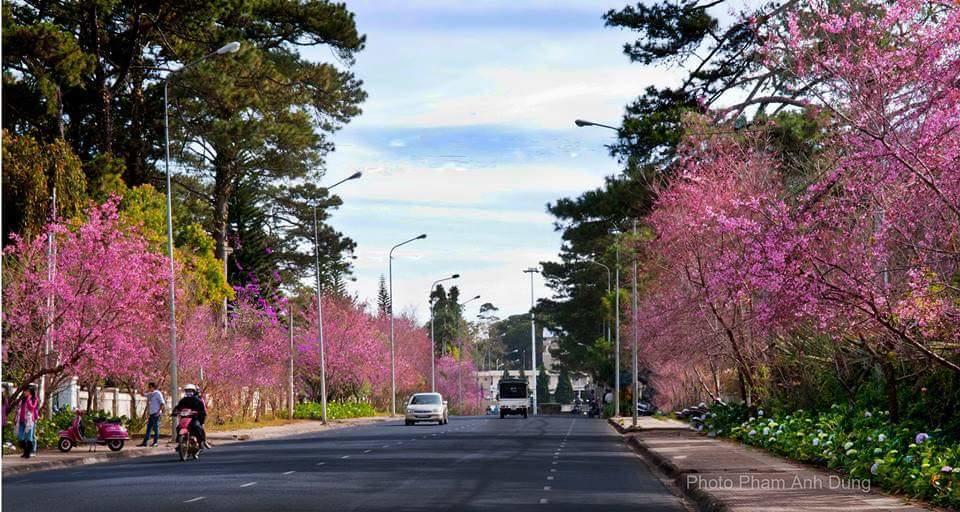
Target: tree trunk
890,389
222,190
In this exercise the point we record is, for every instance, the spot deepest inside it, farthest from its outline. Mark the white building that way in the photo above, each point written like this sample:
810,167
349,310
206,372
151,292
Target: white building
486,380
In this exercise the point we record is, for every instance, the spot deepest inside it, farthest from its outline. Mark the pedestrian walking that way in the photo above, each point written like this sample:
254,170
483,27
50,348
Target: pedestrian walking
155,410
26,420
206,444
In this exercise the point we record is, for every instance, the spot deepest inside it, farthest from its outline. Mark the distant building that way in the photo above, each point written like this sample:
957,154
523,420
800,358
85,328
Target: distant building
487,380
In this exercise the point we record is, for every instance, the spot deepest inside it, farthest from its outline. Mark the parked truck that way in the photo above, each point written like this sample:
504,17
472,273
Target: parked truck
513,397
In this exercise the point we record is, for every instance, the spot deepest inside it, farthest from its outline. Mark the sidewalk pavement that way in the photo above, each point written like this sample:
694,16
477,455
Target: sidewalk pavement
723,475
52,458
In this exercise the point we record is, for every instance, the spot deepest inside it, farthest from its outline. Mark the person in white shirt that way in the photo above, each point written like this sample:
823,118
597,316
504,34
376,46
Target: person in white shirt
155,409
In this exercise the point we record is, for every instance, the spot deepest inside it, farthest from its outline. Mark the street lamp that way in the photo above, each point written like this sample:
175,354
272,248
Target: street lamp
393,365
460,362
636,332
433,343
316,256
223,50
616,308
581,123
533,338
595,262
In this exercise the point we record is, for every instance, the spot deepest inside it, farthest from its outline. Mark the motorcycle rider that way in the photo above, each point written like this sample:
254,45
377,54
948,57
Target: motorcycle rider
193,402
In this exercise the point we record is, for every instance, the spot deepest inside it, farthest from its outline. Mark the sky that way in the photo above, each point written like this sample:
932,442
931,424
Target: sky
468,133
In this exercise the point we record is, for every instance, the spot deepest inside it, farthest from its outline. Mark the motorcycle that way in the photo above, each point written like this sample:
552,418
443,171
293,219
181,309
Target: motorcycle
109,432
594,409
188,445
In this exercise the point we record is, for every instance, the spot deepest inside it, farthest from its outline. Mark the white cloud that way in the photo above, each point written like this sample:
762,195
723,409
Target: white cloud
455,215
540,97
452,184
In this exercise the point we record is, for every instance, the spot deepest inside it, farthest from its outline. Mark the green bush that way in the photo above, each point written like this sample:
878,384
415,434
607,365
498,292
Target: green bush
864,444
335,410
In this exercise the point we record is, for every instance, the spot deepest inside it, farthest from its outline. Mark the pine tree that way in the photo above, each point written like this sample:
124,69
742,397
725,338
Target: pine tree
383,298
564,394
543,386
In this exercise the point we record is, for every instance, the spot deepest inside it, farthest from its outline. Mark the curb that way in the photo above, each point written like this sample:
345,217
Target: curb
703,500
633,430
137,453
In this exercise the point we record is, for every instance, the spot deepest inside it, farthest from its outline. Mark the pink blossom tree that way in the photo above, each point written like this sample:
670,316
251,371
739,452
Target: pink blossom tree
107,297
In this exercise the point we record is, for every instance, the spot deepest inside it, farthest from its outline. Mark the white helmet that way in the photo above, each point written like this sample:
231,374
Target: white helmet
190,387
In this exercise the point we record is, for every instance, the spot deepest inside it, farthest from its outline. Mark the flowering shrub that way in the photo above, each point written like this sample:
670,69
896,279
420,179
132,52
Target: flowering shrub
864,444
335,410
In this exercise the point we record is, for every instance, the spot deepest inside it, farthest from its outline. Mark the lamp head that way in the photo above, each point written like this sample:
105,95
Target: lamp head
355,176
455,276
229,48
421,237
581,123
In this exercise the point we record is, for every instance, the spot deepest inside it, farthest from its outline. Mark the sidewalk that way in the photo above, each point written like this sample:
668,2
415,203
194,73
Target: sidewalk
52,458
723,475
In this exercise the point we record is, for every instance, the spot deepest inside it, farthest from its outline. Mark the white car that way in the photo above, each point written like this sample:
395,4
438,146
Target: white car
426,407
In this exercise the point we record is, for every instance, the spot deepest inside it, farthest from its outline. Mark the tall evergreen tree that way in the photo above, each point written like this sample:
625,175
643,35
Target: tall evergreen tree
92,73
383,298
564,393
448,321
543,386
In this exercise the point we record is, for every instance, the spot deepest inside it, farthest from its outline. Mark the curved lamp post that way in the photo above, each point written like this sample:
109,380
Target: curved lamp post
581,123
595,262
393,365
316,256
533,338
223,50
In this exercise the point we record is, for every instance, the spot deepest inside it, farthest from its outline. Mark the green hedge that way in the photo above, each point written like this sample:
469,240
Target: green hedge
862,443
335,410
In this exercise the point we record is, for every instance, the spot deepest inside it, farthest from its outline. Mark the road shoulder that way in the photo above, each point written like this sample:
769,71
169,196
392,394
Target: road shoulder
53,459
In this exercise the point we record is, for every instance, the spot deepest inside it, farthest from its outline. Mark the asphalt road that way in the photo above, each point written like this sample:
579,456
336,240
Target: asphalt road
472,463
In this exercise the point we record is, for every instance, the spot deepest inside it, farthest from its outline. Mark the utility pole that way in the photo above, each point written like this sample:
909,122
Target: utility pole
292,396
51,303
393,361
533,339
616,351
636,332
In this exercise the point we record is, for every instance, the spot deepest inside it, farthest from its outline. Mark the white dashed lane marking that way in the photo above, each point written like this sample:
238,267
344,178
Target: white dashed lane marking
198,498
289,472
345,457
543,501
367,451
321,463
248,484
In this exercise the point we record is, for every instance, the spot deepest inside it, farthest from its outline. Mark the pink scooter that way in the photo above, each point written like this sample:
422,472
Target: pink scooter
111,434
